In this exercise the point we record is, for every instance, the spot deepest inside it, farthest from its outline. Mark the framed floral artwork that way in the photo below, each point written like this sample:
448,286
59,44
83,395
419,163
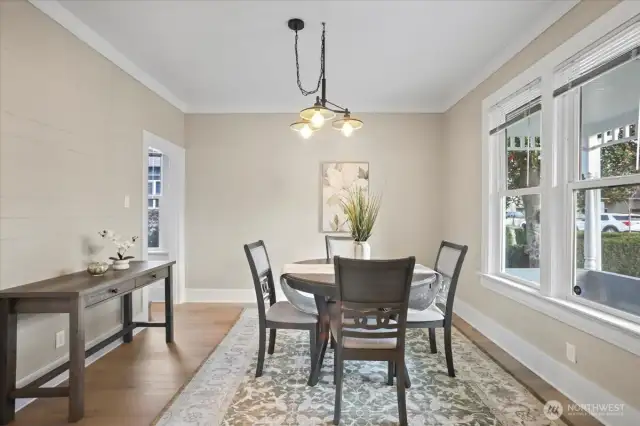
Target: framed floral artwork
337,180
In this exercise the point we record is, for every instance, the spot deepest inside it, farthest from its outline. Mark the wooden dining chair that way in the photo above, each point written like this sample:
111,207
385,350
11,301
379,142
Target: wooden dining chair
369,318
448,264
277,315
338,246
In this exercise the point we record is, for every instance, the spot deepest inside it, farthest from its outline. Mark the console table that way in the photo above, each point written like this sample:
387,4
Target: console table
73,294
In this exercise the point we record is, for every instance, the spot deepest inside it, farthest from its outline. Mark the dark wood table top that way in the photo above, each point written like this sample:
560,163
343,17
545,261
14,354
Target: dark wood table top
324,284
81,283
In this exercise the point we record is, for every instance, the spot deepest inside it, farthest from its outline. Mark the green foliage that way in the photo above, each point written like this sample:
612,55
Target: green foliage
361,211
516,243
620,252
615,160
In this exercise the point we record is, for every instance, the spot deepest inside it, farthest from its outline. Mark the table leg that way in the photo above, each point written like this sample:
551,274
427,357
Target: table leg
8,349
168,305
76,360
127,308
321,343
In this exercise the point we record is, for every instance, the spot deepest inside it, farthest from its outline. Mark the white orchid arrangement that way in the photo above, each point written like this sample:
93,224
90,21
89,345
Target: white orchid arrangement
122,246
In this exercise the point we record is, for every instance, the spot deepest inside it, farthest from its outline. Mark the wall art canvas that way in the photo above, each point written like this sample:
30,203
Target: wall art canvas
337,180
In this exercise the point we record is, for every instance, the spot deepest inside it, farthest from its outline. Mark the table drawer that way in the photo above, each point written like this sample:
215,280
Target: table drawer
152,277
109,293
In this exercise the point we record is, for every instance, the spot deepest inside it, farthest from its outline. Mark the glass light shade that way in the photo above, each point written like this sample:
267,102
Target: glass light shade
309,113
347,125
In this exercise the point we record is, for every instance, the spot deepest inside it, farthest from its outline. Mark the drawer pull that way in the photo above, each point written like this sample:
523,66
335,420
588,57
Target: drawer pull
113,290
154,276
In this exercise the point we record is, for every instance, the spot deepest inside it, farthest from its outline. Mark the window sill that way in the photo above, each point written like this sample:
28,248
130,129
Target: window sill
610,328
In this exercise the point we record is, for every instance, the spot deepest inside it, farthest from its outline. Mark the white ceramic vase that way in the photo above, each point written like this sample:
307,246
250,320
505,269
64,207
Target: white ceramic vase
361,250
120,265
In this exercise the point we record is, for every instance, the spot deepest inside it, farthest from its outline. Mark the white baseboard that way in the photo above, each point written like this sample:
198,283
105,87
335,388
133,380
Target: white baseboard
23,402
574,386
226,295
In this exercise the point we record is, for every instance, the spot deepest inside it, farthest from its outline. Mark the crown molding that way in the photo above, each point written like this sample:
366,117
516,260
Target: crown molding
556,11
73,24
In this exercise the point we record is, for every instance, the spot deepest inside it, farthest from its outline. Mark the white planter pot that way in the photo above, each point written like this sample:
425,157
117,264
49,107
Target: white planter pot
120,265
361,250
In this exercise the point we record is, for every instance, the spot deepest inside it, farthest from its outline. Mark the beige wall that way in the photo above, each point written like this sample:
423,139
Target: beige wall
249,177
600,362
70,149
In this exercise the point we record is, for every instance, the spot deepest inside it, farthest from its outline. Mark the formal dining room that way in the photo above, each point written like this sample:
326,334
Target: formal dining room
322,212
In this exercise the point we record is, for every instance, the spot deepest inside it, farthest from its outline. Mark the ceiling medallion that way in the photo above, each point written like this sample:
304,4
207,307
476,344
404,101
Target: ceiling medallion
313,118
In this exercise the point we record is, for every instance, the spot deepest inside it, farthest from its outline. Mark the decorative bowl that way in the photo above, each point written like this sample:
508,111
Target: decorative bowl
97,268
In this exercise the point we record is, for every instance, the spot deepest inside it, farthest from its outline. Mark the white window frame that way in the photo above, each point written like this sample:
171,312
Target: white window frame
553,297
497,146
156,195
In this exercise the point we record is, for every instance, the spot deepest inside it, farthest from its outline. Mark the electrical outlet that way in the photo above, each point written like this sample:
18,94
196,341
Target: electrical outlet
60,339
571,352
127,201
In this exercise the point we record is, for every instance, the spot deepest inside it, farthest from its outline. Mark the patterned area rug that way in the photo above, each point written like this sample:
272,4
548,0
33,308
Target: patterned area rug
225,391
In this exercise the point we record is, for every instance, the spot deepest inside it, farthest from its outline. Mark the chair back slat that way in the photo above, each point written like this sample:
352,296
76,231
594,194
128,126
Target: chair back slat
262,275
373,297
338,246
449,264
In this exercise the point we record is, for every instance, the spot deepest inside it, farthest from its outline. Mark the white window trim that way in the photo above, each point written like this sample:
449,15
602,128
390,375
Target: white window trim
550,298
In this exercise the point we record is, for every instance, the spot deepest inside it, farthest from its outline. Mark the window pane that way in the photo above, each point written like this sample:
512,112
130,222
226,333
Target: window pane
609,123
521,257
158,187
522,147
150,188
607,269
154,227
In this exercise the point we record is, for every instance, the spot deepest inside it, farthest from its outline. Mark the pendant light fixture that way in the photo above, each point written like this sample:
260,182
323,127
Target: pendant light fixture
313,118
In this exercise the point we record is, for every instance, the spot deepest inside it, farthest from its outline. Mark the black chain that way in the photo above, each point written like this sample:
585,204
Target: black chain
302,90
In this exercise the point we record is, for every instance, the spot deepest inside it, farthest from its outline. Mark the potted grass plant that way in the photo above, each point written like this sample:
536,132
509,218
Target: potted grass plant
361,210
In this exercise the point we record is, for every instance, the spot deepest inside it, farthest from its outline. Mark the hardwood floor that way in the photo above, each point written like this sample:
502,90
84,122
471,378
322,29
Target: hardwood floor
536,385
132,384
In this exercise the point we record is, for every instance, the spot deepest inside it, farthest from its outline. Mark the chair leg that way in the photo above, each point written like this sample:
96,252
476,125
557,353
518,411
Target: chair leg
261,348
324,350
338,405
407,378
448,352
272,340
390,373
432,340
400,386
335,366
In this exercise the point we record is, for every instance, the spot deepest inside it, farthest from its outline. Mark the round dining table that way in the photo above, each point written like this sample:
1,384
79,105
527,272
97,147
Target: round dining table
424,289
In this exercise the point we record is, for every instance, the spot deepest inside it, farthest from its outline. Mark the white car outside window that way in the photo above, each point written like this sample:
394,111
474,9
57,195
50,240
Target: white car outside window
614,222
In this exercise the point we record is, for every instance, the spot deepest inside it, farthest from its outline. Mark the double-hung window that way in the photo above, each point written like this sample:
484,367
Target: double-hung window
597,93
563,135
515,142
154,194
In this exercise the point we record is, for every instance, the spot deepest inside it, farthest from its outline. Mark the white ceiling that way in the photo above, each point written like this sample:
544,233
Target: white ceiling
237,56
